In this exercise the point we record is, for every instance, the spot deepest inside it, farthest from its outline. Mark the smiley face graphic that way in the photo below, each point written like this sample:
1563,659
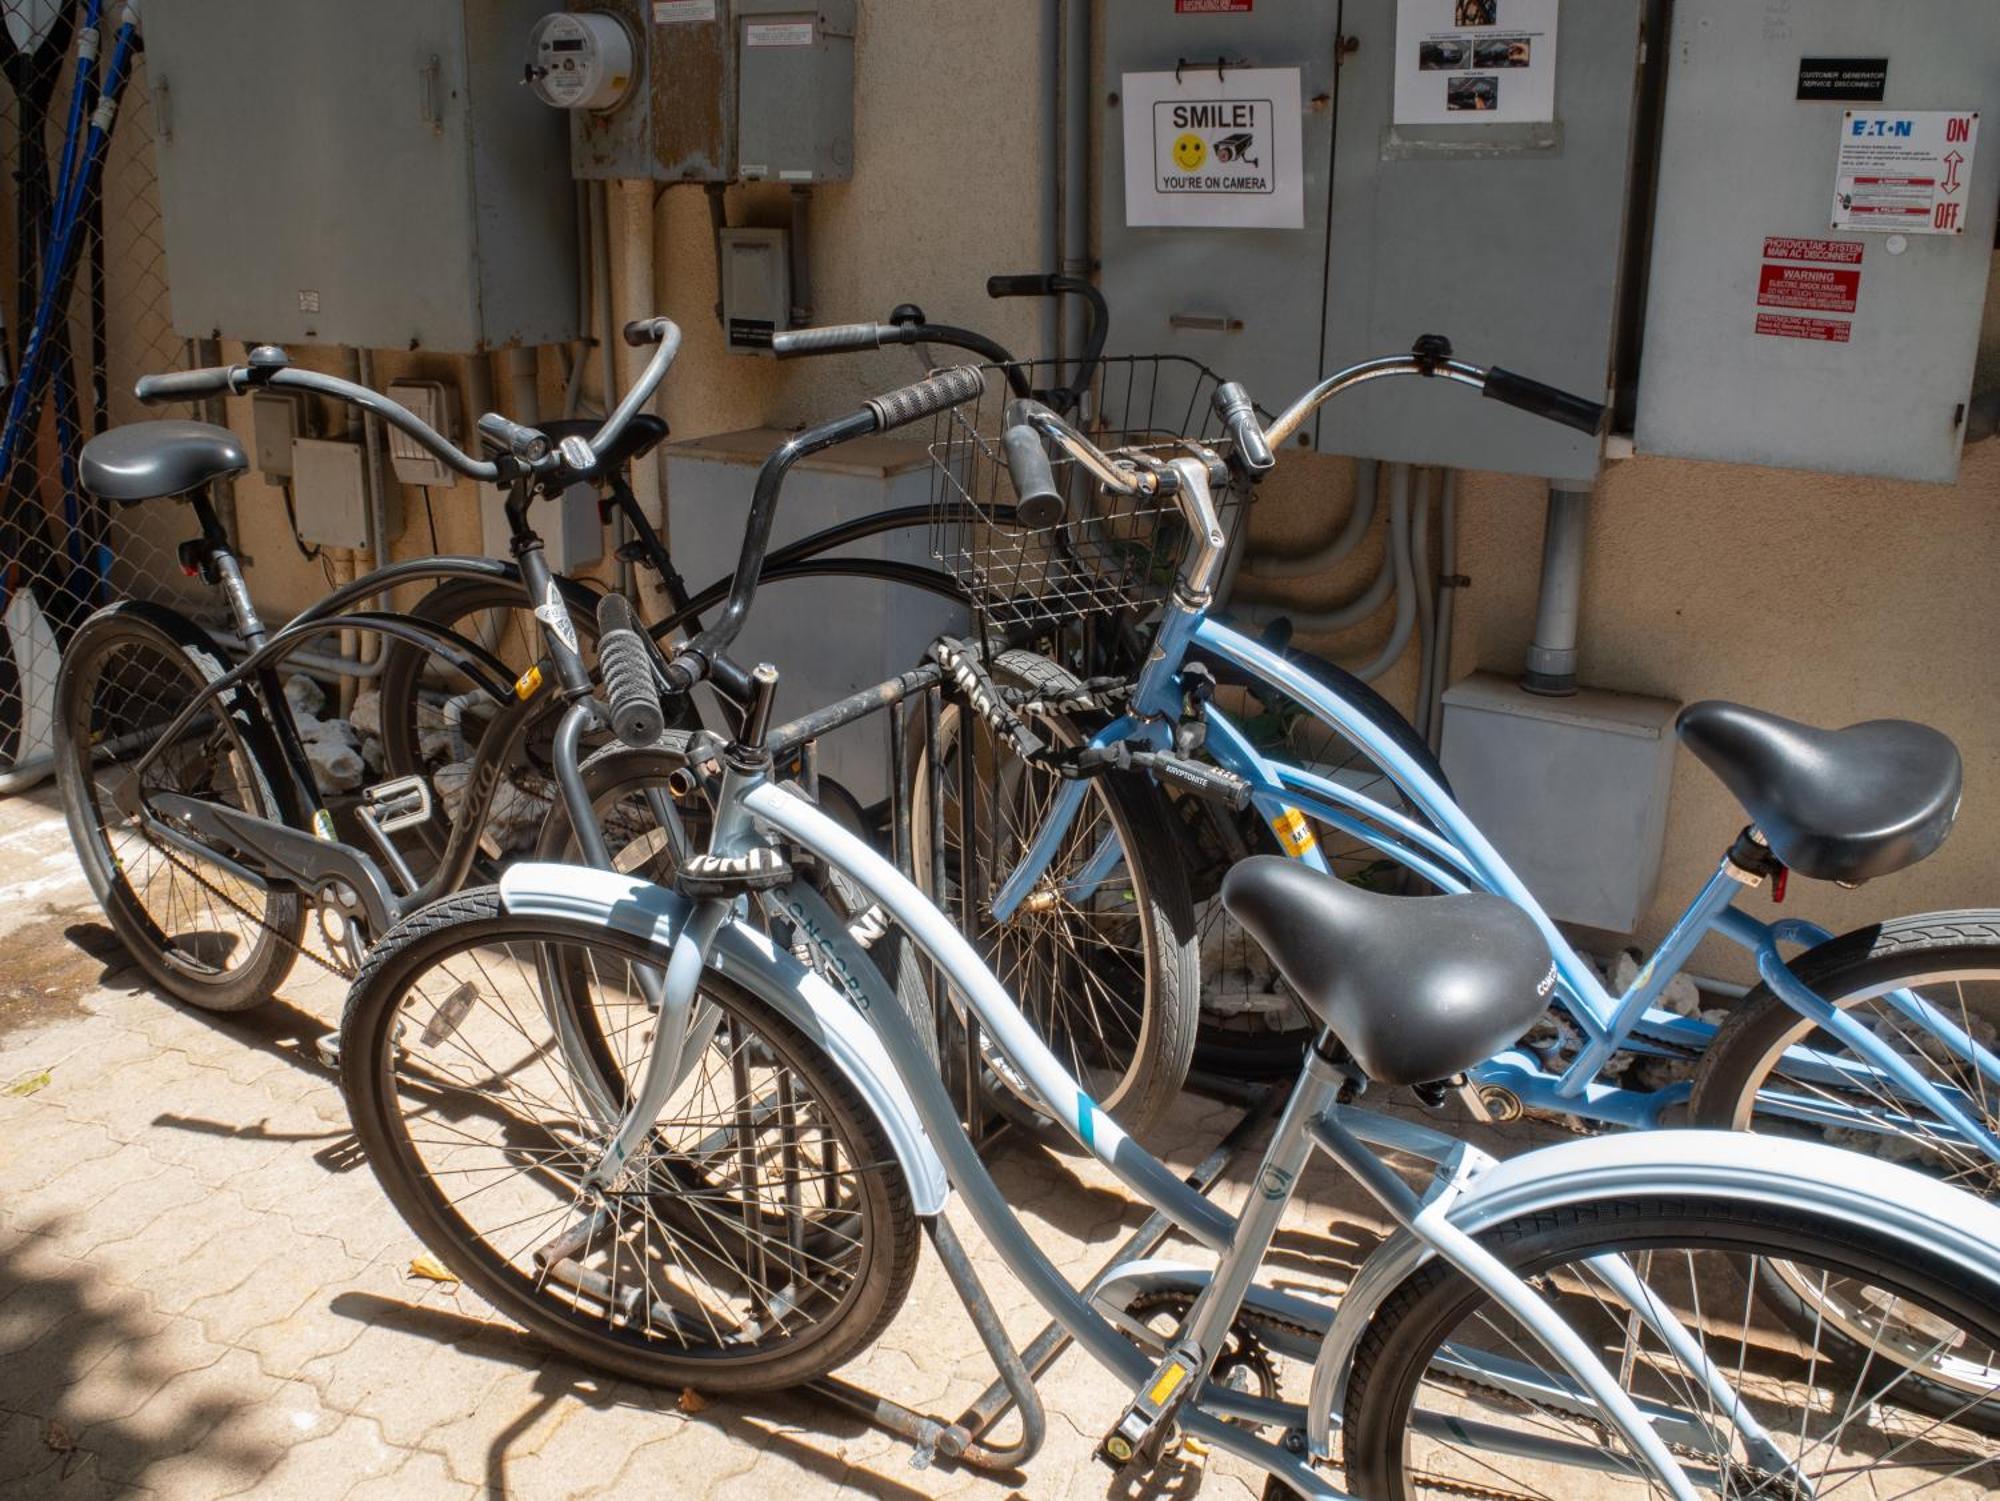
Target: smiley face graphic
1190,151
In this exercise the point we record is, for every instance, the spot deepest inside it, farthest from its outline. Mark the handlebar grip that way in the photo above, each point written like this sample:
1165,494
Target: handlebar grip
1037,284
184,385
1038,500
1239,416
948,388
832,338
527,444
643,331
636,715
1579,412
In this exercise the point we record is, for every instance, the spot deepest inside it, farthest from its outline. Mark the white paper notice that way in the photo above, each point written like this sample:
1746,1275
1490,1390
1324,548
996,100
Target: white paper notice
1209,152
1905,173
1475,62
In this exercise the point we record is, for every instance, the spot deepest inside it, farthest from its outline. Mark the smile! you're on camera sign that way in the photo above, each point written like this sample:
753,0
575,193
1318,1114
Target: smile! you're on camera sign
1213,148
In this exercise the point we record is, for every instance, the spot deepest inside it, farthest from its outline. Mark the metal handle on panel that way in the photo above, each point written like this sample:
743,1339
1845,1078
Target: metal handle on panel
433,111
1207,323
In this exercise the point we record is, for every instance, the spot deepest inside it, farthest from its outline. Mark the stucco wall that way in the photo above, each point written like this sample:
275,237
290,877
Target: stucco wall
1825,598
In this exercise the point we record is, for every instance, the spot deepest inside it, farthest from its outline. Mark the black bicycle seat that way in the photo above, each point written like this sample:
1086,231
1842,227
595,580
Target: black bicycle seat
1836,805
146,460
1418,988
642,435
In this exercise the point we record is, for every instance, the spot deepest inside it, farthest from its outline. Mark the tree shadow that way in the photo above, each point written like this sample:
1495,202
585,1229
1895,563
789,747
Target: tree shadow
72,1347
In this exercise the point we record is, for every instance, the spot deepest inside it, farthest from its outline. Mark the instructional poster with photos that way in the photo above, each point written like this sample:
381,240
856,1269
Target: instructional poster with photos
1475,62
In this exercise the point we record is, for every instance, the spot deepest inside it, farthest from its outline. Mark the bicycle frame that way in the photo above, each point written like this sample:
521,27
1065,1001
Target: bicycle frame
1468,1191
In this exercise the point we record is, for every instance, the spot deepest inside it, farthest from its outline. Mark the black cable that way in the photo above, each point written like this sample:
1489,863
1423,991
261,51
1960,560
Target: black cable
310,554
430,519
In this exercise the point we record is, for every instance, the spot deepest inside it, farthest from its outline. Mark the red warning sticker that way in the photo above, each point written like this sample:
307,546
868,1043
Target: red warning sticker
1816,289
1789,326
1818,252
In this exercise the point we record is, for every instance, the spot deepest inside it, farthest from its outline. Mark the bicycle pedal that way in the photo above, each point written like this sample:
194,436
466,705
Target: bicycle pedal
399,804
1142,1431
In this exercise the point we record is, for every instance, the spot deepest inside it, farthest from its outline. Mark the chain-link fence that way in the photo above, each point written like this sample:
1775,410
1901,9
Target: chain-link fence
82,250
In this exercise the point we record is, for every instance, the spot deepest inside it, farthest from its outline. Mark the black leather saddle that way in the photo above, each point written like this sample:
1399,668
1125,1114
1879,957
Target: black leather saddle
1836,805
642,435
146,460
1418,988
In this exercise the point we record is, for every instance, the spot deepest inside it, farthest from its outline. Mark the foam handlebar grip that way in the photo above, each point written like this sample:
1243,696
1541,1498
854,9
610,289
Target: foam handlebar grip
642,331
1038,500
1579,412
833,338
1039,284
948,388
636,716
184,385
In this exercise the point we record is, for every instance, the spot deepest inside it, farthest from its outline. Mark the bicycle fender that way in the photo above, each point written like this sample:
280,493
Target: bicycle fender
830,1021
1729,1165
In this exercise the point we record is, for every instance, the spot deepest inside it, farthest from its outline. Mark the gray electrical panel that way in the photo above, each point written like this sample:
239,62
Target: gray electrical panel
1250,303
1506,238
368,173
677,122
1824,234
795,81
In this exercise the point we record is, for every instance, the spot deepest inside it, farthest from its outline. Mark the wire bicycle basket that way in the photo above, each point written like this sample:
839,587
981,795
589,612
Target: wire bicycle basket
1110,552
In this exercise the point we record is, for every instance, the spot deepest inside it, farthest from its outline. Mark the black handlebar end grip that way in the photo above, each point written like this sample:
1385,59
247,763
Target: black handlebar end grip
1579,412
643,331
950,387
1039,284
636,715
833,338
1038,501
182,385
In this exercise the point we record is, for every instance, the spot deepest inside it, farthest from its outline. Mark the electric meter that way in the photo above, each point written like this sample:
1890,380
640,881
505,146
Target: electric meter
581,61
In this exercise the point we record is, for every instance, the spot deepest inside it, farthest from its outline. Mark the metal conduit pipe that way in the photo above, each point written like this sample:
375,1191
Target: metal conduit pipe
1552,657
1049,145
1421,578
1074,67
629,290
1273,562
1348,613
522,396
1447,598
1406,601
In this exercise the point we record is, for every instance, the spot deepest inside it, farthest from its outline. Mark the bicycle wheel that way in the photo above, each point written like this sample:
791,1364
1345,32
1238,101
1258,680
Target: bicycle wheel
1450,1395
631,788
763,1233
424,702
1252,1026
199,932
1107,976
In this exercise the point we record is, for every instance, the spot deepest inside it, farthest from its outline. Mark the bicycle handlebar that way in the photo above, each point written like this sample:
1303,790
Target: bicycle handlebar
527,449
626,659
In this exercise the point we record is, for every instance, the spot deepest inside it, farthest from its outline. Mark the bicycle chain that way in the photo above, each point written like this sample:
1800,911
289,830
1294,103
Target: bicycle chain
331,966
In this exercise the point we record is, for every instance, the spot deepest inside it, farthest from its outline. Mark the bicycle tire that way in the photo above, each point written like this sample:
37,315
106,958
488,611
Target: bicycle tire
375,1029
184,663
1153,1055
1250,1027
1402,1345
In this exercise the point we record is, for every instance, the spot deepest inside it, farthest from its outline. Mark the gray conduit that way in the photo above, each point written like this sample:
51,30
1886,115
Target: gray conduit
1406,600
1421,576
1334,550
1552,656
1447,598
1352,612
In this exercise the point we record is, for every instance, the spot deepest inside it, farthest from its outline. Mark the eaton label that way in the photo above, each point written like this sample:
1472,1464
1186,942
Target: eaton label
1907,173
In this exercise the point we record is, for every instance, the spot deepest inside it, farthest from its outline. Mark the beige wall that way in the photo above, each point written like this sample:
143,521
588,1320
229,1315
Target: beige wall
1821,597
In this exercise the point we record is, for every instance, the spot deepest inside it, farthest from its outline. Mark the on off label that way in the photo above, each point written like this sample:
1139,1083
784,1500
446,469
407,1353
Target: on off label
1293,832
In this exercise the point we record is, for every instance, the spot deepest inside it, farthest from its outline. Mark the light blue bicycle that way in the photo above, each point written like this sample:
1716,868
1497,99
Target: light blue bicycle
1883,1039
697,1153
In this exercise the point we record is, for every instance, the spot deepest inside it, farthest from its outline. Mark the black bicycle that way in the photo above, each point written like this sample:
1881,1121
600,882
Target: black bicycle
184,777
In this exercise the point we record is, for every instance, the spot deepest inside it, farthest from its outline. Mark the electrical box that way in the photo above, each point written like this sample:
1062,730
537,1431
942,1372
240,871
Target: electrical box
795,82
328,493
756,287
1506,236
1249,303
569,525
1571,791
1823,235
368,174
828,636
435,404
676,119
278,419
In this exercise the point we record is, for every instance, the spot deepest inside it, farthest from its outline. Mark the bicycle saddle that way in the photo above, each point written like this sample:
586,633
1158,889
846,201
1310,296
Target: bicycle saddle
1836,805
642,435
146,460
1418,988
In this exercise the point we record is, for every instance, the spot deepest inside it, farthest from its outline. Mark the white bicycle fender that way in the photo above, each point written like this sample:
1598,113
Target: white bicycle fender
1728,1165
830,1021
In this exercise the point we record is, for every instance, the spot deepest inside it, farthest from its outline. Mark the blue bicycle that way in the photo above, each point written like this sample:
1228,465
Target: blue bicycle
1882,1039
